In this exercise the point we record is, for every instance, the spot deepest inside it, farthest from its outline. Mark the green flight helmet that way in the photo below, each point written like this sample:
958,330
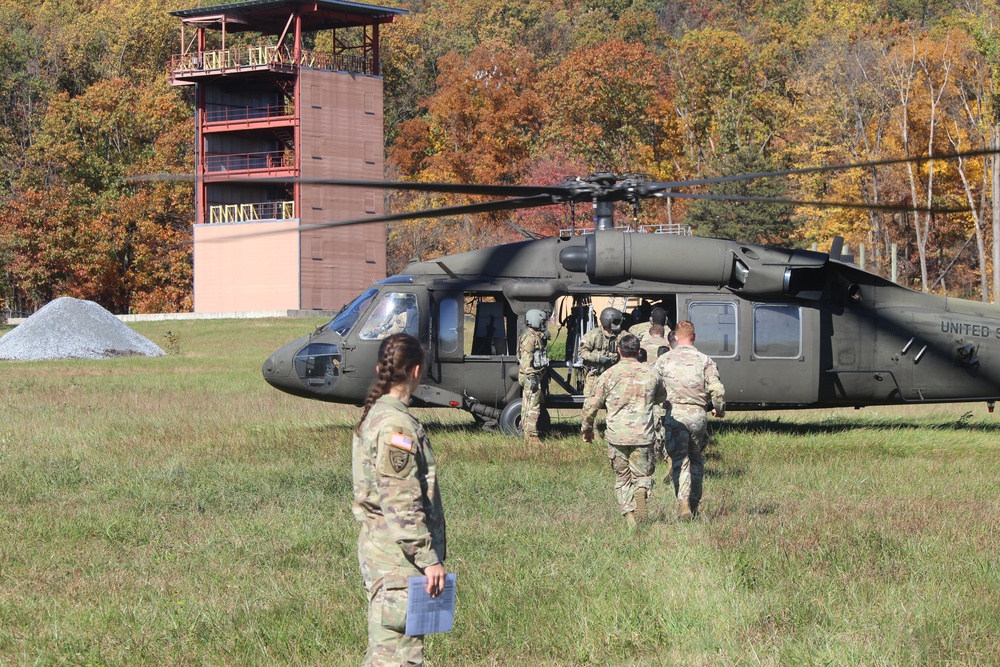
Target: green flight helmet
535,319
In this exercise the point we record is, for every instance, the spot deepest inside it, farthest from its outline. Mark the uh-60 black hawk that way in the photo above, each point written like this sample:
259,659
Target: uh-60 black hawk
787,328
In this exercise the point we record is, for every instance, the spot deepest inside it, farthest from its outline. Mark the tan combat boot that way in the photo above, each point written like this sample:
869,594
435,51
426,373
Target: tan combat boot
630,519
684,509
641,513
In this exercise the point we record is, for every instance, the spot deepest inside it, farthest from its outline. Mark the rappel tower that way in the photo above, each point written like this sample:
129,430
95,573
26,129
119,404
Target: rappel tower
270,104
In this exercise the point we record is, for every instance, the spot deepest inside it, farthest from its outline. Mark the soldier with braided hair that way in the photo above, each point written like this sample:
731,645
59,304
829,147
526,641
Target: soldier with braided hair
397,502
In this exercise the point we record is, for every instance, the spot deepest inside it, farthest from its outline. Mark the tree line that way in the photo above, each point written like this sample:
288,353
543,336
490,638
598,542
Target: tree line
531,91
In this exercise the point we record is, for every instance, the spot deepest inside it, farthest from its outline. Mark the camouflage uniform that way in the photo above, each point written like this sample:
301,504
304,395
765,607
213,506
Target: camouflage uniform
398,325
641,330
396,499
693,387
532,359
595,344
652,345
629,391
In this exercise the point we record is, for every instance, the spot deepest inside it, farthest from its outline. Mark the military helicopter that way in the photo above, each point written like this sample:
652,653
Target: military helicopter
788,328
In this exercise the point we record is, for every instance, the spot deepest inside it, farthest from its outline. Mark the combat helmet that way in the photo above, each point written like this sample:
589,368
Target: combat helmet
611,319
535,319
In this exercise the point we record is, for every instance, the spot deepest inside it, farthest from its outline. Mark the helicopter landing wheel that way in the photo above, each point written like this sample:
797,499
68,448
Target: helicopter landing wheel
510,419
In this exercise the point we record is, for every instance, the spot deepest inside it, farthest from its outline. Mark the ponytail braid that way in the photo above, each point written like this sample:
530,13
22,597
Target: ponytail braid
397,357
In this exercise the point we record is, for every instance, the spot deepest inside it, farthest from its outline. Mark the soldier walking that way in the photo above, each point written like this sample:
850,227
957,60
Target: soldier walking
658,316
599,347
629,391
533,362
655,343
397,502
693,387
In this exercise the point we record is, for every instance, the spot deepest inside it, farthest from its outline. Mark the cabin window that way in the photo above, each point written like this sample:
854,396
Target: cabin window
777,331
715,327
349,314
449,312
396,312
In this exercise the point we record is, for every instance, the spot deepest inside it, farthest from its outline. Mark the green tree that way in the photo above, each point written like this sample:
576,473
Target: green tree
749,221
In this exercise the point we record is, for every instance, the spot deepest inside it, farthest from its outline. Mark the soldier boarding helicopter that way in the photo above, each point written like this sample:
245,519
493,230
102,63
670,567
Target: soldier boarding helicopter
788,328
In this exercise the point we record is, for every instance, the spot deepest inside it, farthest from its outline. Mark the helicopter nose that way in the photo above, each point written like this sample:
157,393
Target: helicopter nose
278,368
309,366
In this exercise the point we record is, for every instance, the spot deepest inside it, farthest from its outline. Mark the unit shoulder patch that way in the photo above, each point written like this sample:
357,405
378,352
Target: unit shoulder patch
398,459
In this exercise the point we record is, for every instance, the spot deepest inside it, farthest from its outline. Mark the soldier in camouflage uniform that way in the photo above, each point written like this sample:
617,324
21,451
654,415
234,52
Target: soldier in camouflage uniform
599,348
533,362
693,387
396,499
657,316
653,342
629,390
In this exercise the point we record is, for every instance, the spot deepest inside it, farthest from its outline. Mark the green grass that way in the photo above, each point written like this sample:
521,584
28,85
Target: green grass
178,511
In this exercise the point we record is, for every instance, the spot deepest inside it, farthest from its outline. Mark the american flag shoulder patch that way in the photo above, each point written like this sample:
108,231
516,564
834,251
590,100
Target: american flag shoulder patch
401,441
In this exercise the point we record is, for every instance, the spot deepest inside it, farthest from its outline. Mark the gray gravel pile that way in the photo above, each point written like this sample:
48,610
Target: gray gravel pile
70,328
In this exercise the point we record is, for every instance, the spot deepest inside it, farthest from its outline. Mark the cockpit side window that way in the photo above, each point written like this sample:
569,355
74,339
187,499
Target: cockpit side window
396,312
494,325
449,323
350,313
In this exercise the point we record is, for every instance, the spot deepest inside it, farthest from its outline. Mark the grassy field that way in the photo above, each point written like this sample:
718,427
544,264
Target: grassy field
178,511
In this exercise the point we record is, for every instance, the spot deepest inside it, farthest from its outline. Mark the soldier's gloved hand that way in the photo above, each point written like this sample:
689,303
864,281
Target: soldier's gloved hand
604,359
533,382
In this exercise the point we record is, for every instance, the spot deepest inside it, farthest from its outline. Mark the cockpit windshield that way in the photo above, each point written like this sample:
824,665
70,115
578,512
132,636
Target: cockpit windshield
350,313
396,312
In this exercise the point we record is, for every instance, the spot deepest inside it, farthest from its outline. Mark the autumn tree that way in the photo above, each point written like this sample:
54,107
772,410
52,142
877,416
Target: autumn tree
51,247
918,75
600,103
732,89
968,127
476,128
844,118
984,27
480,121
412,47
123,236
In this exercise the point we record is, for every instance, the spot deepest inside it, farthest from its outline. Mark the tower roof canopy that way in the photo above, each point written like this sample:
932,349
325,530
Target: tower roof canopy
271,16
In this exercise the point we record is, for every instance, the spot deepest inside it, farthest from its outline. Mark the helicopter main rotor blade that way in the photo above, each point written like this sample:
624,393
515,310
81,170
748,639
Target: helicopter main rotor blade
555,191
448,188
597,187
818,169
468,209
819,204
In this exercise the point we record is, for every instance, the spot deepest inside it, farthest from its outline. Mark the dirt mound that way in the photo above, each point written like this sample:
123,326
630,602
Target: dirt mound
68,328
